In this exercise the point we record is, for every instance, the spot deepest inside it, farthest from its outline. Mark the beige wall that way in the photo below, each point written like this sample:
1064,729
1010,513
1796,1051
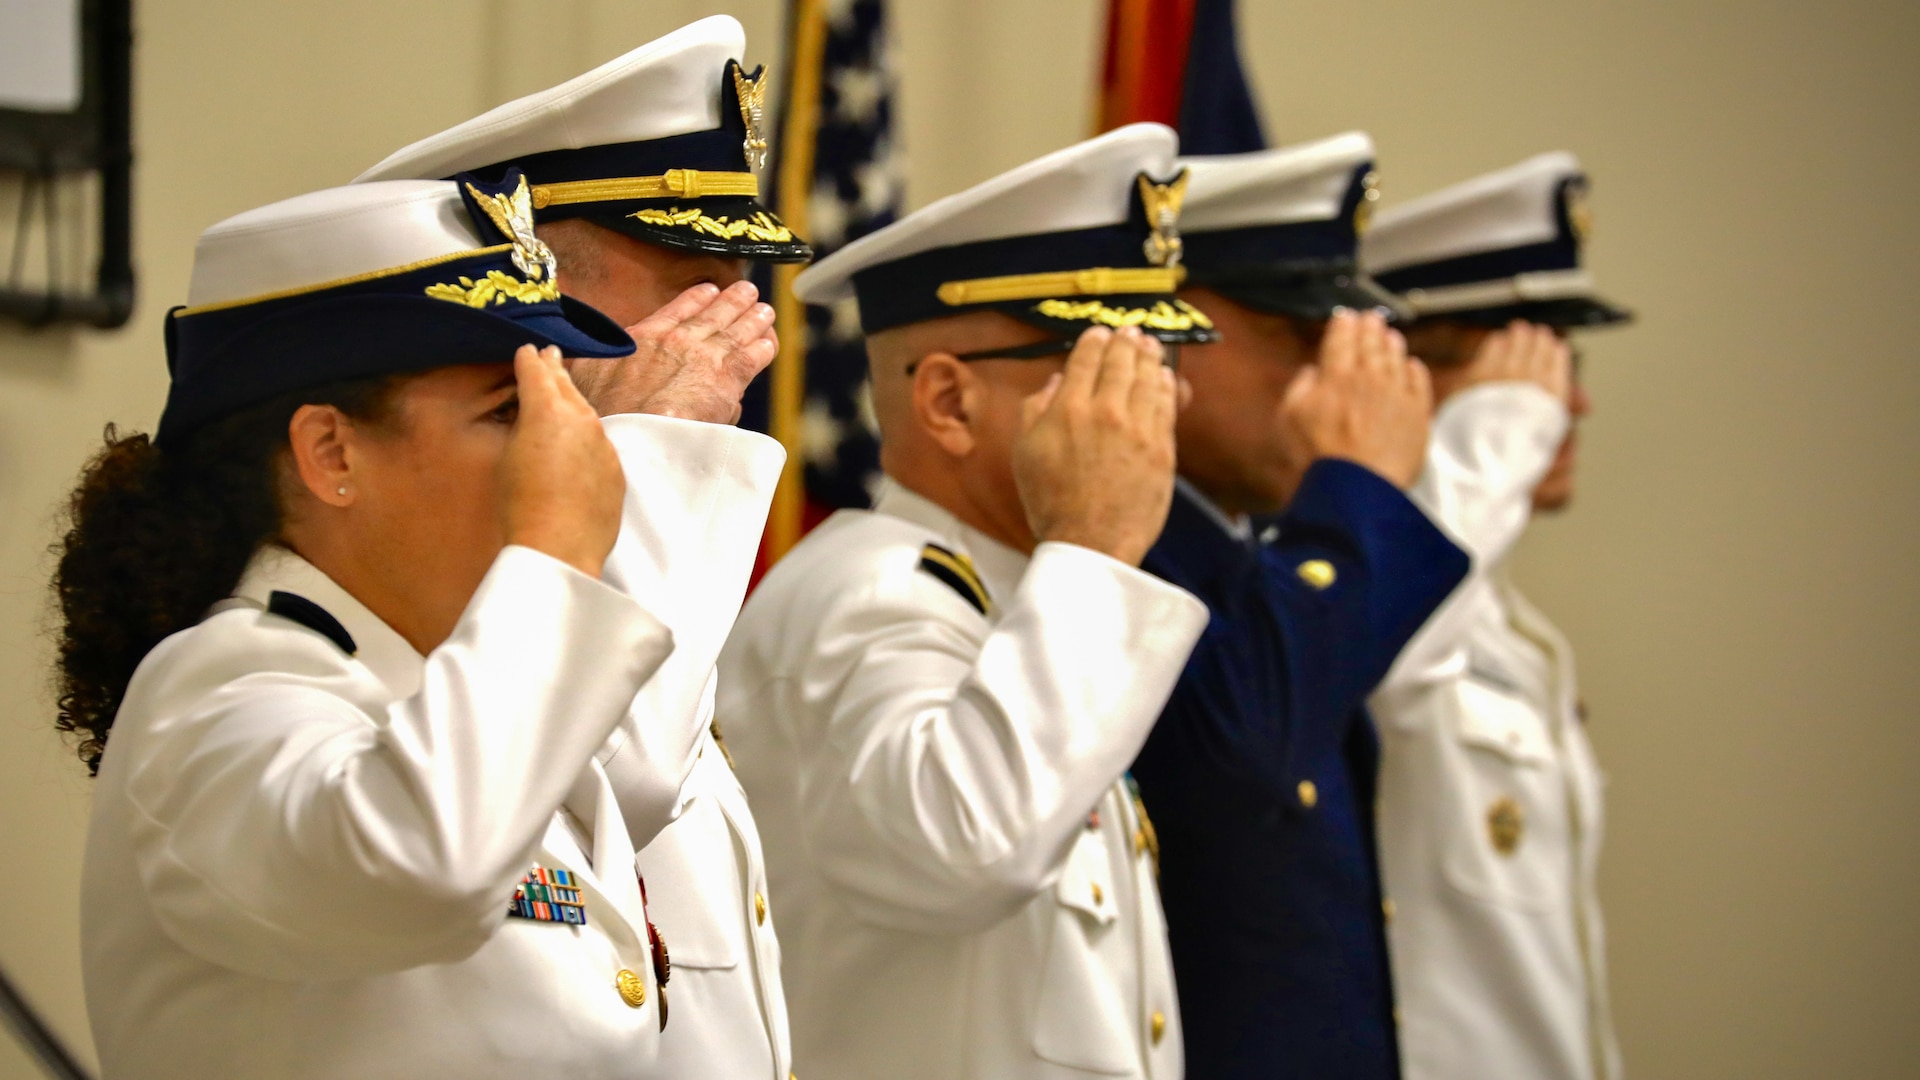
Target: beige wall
1737,575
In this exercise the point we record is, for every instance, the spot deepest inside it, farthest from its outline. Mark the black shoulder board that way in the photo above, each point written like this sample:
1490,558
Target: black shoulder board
312,616
957,572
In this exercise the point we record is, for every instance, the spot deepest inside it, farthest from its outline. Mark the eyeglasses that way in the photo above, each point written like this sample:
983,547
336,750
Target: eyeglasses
1041,350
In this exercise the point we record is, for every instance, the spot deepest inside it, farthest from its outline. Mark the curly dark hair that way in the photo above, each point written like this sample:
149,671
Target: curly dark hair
155,536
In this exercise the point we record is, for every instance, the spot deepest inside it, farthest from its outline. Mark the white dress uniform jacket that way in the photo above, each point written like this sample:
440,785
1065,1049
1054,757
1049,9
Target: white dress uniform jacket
300,860
1490,807
696,505
965,887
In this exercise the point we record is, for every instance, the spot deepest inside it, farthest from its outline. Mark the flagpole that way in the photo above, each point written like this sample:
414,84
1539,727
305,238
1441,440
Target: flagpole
35,1038
787,396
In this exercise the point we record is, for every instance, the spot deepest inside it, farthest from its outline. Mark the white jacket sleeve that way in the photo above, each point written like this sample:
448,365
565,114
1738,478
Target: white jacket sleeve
697,498
1490,446
291,823
962,761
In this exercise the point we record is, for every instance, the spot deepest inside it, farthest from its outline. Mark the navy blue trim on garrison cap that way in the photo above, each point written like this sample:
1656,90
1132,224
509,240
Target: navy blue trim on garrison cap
693,192
1278,231
1306,269
647,144
1561,251
1062,281
477,303
1086,236
1500,247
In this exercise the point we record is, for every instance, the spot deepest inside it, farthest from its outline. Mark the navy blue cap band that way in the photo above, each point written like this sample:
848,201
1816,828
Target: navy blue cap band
467,307
731,225
907,290
1558,254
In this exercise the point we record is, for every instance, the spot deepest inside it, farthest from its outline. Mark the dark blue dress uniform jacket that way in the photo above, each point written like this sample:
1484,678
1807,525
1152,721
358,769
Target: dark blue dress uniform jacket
1260,776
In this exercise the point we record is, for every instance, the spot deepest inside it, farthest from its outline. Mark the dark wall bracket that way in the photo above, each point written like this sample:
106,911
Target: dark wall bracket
97,137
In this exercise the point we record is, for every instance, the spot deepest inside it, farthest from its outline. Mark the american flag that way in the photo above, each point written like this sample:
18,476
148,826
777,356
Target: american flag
857,188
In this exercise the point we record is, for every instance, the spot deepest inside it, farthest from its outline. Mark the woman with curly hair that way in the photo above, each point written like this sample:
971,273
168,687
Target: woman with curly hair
337,644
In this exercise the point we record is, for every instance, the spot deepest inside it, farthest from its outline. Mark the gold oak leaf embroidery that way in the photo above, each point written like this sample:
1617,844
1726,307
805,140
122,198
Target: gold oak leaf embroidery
496,288
760,227
1178,315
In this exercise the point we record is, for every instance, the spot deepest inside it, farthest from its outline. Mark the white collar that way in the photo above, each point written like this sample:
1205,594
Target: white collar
1240,527
379,646
999,566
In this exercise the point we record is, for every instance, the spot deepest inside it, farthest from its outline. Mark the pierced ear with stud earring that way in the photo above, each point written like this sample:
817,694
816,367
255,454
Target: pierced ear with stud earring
341,490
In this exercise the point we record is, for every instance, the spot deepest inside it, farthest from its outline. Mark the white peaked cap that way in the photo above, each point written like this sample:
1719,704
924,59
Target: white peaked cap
327,236
664,88
366,280
1084,186
1511,208
1307,182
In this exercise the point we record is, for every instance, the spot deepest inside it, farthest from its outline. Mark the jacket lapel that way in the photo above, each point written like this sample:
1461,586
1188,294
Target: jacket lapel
611,880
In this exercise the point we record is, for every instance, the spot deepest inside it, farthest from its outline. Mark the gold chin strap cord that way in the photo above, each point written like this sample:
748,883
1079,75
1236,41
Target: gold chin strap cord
1098,281
672,184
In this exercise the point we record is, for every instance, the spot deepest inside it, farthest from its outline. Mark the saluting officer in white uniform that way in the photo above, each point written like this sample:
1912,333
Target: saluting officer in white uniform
643,181
933,704
350,823
1490,796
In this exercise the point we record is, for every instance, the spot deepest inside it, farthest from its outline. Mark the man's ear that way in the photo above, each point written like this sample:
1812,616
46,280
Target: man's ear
944,402
320,438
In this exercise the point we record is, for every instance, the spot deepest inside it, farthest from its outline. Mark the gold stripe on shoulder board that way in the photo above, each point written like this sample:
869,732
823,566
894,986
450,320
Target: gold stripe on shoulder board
957,571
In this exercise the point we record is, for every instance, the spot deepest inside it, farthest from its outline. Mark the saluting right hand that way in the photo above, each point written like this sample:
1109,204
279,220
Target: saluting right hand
1364,401
560,476
1094,461
692,358
1522,352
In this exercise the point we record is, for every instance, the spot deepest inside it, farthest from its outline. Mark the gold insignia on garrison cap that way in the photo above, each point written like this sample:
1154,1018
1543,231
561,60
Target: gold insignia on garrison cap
513,216
1162,201
1506,824
1369,194
752,92
1579,211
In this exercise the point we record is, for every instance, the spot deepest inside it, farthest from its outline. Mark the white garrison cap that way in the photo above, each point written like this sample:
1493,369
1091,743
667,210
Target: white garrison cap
366,280
1501,246
328,235
662,143
1284,186
665,87
1091,232
1278,230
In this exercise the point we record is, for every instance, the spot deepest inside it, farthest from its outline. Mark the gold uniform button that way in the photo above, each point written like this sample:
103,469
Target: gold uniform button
1506,825
1317,573
759,908
1386,908
1097,894
633,990
1159,1028
1309,794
